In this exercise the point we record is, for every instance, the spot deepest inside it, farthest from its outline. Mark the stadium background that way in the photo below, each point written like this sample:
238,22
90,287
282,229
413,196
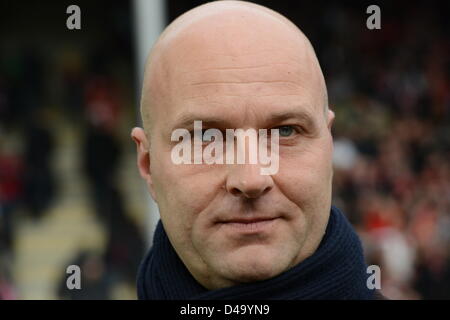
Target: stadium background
70,192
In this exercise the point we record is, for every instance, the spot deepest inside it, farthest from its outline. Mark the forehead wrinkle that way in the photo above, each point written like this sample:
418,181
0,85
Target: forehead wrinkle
237,73
234,68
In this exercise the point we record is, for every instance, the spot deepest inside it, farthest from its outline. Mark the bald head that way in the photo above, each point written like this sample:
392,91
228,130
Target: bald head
222,35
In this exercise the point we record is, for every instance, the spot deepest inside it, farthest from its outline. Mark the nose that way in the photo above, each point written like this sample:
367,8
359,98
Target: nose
246,180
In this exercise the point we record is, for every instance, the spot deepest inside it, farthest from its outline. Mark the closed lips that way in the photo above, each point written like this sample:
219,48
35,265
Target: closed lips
248,221
249,225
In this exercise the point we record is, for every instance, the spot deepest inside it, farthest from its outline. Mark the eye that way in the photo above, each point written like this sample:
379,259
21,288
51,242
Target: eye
285,131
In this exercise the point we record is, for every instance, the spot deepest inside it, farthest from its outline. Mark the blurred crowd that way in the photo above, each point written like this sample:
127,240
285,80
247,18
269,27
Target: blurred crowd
389,89
86,88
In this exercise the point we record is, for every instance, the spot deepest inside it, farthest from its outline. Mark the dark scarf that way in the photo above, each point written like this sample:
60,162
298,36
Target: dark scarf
335,271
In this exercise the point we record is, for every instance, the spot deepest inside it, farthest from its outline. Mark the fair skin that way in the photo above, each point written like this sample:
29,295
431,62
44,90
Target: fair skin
238,65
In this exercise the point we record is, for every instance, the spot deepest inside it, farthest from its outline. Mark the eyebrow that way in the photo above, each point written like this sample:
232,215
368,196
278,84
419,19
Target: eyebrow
300,114
187,120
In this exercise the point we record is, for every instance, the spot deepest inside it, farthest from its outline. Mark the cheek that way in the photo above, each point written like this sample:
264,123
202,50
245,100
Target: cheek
305,175
183,191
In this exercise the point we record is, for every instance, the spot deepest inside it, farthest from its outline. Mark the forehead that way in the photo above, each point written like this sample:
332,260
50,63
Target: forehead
221,71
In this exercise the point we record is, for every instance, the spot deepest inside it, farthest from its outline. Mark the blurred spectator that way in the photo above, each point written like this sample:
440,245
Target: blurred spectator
10,196
72,79
102,151
38,180
7,289
125,245
101,157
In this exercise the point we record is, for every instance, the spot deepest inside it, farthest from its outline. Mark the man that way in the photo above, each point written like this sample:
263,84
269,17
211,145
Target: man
226,230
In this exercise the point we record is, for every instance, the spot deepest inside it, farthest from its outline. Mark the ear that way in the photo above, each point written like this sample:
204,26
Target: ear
143,158
330,119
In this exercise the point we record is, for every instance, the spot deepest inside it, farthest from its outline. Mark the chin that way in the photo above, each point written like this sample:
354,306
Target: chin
251,268
260,273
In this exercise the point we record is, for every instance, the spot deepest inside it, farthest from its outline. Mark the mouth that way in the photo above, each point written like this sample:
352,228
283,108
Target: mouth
253,225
